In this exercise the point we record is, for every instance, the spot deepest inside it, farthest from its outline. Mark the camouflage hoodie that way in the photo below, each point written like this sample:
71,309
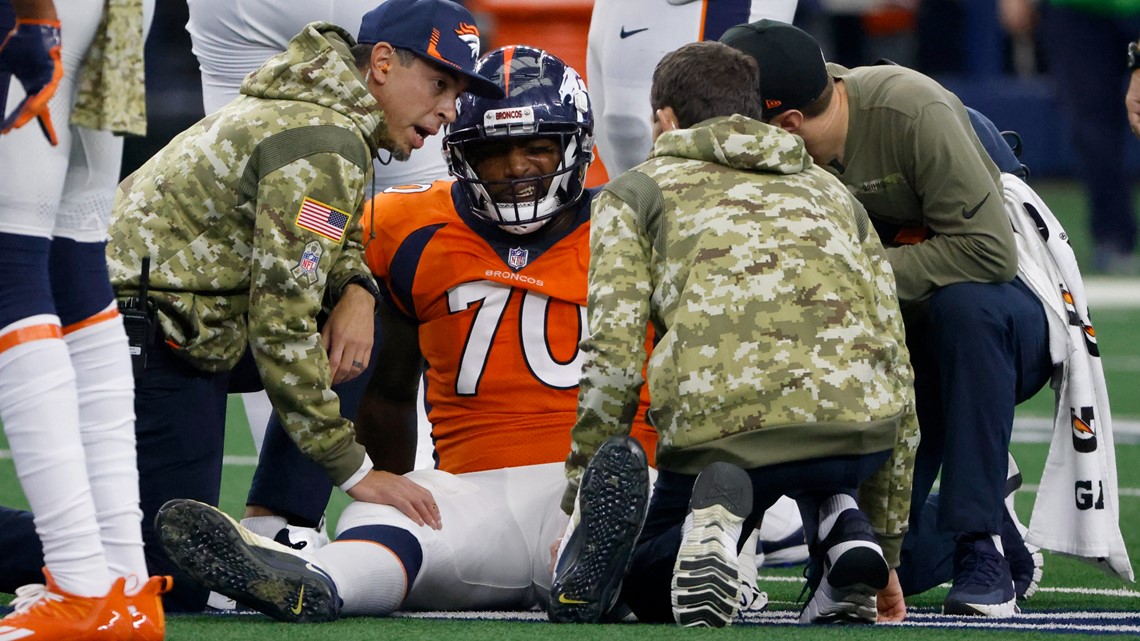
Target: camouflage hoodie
247,217
780,333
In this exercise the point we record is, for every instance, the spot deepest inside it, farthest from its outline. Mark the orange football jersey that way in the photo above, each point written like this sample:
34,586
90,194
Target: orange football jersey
500,317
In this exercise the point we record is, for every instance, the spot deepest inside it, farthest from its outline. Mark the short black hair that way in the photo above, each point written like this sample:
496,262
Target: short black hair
703,80
821,102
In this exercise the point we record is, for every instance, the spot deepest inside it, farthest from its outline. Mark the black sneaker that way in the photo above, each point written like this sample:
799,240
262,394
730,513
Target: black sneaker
1025,560
706,576
612,501
253,570
845,573
982,582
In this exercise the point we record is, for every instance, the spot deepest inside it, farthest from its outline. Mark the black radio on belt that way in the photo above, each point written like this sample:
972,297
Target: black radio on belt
138,321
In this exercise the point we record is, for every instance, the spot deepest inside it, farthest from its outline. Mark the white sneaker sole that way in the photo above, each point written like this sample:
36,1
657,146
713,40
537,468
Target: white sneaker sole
847,592
994,610
706,578
706,583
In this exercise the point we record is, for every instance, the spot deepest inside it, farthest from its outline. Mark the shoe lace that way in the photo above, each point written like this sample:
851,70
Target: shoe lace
979,565
28,596
751,597
133,584
813,575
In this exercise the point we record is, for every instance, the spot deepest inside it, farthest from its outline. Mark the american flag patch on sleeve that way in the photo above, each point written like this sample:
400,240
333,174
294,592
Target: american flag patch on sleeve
319,218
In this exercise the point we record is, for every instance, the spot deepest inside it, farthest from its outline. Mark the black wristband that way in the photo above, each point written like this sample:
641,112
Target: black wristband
1133,56
367,282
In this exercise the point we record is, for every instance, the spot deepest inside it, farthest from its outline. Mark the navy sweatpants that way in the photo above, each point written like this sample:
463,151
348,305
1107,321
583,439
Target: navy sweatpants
978,350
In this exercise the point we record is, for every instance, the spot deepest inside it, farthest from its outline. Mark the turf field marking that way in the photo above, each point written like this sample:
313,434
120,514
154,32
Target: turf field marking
237,461
1112,293
1121,592
1087,622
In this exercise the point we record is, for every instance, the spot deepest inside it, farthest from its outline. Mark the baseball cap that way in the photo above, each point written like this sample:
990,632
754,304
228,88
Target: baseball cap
793,72
438,31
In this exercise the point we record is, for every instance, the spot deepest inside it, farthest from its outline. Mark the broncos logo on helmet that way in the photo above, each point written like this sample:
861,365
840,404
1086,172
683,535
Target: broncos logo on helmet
544,97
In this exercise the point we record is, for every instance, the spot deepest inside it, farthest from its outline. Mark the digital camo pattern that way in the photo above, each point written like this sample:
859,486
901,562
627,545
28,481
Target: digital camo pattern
774,303
216,212
885,497
111,92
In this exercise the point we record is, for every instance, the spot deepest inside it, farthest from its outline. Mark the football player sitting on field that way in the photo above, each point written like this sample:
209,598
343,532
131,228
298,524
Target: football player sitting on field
486,284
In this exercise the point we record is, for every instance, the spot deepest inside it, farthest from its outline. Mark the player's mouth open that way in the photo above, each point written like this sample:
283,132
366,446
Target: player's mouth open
517,195
421,133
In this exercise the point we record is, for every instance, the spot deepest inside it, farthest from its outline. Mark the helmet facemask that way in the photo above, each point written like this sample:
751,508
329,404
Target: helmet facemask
544,99
551,193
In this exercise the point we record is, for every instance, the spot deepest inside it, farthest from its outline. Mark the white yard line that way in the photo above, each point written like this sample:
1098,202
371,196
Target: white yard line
1076,622
1121,592
1112,293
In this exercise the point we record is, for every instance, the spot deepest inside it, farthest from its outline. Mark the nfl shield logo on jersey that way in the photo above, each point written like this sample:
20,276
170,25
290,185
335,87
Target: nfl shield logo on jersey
306,268
517,258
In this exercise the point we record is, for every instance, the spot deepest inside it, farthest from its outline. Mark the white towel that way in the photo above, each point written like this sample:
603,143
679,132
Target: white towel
1077,512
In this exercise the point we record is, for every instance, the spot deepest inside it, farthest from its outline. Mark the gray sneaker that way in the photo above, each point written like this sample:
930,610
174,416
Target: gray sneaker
706,577
253,570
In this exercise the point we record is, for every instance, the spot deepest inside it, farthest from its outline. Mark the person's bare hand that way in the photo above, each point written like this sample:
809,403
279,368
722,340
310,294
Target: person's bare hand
1018,17
407,496
554,550
1132,103
890,602
348,333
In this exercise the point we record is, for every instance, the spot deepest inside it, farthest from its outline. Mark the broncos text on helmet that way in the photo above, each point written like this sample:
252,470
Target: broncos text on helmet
544,98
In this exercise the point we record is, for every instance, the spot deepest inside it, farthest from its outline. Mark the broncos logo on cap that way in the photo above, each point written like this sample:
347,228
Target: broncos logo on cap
469,34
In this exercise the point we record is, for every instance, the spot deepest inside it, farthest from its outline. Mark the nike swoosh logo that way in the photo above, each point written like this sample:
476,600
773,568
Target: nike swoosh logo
563,599
300,599
625,34
969,213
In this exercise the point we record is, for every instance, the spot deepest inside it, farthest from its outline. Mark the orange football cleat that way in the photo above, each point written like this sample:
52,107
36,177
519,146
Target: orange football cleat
145,607
46,613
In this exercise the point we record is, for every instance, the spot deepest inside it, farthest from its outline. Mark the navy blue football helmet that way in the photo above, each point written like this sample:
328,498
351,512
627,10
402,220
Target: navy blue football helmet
544,97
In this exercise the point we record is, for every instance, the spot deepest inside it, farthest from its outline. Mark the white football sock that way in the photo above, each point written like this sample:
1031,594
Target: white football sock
267,526
830,510
369,577
106,387
40,411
